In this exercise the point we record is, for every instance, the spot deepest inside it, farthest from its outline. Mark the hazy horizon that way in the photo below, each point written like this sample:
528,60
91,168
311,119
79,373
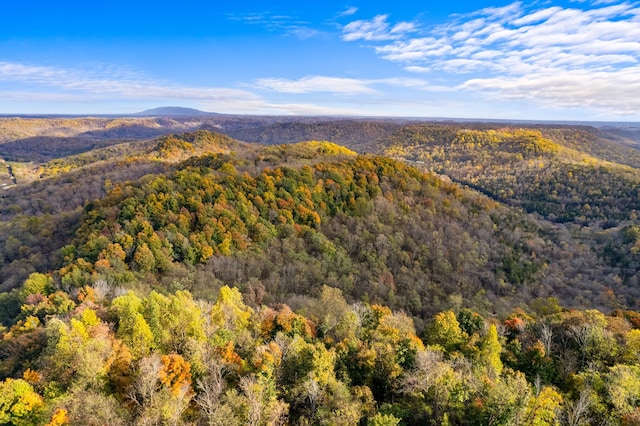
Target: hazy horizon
213,114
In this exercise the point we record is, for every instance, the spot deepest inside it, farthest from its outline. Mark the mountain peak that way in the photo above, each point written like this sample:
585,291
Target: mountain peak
172,111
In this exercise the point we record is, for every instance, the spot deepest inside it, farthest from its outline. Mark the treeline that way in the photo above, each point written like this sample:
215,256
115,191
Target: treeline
102,355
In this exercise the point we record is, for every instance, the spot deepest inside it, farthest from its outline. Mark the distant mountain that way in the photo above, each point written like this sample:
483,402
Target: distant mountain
172,111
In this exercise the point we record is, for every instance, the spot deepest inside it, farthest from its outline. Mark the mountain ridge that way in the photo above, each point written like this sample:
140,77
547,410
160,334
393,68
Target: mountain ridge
172,111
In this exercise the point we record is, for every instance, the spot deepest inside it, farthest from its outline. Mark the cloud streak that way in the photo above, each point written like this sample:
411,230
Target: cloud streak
313,84
348,12
21,83
376,29
342,86
586,55
288,25
105,85
27,83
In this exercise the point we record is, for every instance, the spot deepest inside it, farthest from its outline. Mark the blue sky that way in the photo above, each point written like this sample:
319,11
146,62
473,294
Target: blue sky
556,60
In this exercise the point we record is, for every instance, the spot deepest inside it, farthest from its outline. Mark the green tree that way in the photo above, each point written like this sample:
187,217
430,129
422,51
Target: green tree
77,351
445,331
143,258
623,388
383,420
502,402
230,318
132,327
330,309
490,351
543,408
19,403
176,322
433,380
37,284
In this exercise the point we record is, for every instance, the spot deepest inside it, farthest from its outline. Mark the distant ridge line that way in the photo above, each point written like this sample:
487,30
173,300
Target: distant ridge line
172,111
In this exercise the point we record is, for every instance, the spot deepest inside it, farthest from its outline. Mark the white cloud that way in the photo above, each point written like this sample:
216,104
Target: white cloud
345,86
538,16
412,83
588,55
285,24
461,65
417,69
348,11
308,109
106,86
28,73
499,13
403,27
615,91
413,50
102,89
303,33
376,29
20,83
75,90
311,84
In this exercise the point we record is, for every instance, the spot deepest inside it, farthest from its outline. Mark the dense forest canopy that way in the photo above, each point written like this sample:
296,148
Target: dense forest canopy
414,273
544,171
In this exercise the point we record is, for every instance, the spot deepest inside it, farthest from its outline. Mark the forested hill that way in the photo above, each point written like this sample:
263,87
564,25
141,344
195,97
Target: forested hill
281,221
197,279
562,174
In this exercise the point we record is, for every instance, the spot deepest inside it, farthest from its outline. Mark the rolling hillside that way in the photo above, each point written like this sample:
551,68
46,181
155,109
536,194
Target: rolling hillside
192,278
565,175
376,228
